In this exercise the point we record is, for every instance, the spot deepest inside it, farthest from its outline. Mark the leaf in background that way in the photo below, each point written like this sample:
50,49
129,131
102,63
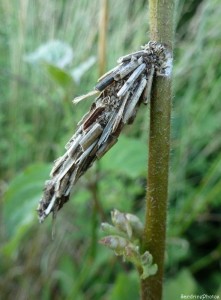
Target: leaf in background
218,293
128,157
54,52
126,287
65,274
20,202
182,284
178,249
59,75
79,71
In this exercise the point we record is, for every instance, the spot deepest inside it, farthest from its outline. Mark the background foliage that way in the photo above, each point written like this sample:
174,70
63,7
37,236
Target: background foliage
37,118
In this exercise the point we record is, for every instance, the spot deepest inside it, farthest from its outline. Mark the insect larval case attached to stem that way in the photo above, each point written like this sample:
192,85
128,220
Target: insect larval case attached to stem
121,91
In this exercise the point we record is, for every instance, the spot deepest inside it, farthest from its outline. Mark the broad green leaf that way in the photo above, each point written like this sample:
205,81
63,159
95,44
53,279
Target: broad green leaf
21,200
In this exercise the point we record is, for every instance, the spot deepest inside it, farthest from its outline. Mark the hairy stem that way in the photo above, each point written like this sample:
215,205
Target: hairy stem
161,30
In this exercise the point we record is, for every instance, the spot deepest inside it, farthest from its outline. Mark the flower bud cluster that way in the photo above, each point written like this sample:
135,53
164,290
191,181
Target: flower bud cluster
124,238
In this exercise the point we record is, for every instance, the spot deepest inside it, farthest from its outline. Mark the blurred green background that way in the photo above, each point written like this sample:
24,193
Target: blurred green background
48,55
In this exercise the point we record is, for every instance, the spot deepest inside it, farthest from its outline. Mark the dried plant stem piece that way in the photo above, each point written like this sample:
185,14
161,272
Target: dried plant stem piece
80,98
109,72
131,80
91,136
148,88
61,185
71,182
120,113
92,117
85,117
134,100
106,81
65,168
139,53
69,143
107,130
57,164
74,145
128,68
85,154
49,208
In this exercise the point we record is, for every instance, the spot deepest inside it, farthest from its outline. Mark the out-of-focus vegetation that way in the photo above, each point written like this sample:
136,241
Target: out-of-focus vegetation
37,117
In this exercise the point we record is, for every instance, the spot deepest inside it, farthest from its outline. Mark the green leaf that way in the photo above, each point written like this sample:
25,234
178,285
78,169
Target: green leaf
59,75
184,284
127,157
126,287
21,200
177,250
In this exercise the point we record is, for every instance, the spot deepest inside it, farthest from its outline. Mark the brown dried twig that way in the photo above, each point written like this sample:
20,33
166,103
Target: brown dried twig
121,92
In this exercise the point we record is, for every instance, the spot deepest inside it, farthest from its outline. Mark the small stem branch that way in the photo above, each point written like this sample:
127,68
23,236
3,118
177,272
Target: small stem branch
96,209
161,30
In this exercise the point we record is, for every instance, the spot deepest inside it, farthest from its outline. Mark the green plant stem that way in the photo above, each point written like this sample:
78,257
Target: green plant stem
161,30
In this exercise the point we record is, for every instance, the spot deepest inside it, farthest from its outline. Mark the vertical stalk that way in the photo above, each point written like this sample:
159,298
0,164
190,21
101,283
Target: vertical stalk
161,30
103,36
102,42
